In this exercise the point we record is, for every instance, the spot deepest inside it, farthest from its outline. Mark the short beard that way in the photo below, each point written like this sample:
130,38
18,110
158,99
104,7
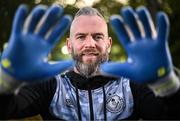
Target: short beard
91,69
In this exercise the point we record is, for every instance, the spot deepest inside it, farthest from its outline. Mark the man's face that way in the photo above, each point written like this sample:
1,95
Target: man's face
89,43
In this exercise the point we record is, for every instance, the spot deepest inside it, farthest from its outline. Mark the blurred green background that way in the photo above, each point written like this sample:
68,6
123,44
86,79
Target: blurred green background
107,8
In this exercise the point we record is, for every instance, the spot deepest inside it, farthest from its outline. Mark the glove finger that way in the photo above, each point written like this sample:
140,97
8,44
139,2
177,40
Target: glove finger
19,19
61,27
45,71
117,69
119,29
145,17
49,20
33,19
131,18
57,67
162,27
127,70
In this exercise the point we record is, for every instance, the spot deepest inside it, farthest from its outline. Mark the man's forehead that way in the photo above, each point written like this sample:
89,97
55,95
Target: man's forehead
88,19
92,33
88,23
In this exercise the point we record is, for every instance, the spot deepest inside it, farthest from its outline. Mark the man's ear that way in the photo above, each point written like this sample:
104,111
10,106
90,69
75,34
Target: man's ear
109,44
69,45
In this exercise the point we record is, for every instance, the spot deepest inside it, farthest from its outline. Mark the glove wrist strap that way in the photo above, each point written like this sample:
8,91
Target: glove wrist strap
8,84
166,86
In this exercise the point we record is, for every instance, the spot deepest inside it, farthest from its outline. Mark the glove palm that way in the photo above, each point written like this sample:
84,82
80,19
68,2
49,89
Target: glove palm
26,57
148,54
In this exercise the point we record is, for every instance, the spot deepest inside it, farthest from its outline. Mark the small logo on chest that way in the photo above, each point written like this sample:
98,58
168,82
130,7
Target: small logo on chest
69,103
115,104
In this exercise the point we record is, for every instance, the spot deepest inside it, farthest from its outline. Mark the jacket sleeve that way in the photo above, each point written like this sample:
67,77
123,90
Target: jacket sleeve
148,106
31,100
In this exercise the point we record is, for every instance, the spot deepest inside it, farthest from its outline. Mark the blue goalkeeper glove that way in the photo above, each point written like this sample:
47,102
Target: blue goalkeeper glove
32,39
147,49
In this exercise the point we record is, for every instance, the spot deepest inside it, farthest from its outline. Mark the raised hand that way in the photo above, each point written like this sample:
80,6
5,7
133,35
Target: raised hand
32,38
147,48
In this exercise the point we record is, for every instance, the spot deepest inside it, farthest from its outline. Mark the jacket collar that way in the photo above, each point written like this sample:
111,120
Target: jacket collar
81,82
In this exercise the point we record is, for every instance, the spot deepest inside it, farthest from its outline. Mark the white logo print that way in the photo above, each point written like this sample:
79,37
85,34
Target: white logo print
115,104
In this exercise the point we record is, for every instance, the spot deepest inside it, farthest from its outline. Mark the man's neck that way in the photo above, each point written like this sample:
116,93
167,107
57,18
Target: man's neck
96,73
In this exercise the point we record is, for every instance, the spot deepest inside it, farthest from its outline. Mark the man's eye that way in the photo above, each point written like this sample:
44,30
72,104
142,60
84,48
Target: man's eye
98,37
81,38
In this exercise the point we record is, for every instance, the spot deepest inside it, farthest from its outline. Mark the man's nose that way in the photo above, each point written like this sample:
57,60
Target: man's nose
90,42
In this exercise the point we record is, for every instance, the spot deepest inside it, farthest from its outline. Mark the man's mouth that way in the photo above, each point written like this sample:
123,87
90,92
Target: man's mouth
89,57
90,54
